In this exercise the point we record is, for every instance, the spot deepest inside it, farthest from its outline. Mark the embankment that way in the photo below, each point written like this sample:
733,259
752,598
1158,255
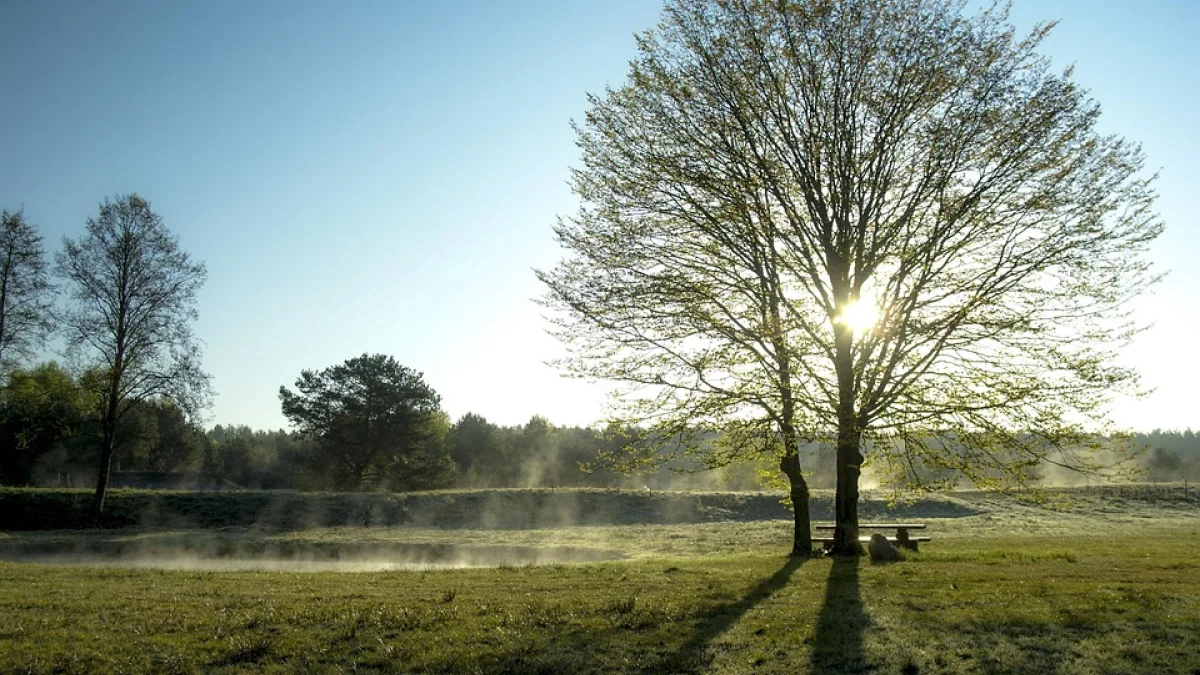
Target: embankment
48,509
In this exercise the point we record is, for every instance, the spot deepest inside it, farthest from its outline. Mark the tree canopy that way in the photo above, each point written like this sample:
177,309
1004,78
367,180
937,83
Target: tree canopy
26,295
855,220
372,420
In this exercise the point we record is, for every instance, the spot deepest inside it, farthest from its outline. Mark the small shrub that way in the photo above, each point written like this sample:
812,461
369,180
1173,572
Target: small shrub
623,606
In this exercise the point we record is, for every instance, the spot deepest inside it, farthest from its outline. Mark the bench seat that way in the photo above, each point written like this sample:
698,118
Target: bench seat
827,542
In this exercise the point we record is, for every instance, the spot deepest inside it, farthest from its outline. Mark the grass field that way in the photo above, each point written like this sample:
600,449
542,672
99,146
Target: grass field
1109,585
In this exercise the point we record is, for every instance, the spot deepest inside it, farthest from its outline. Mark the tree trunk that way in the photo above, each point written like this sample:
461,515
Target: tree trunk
848,459
849,462
108,436
802,536
106,455
356,477
5,273
789,464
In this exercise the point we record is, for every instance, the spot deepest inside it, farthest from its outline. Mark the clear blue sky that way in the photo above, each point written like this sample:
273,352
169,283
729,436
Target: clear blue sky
383,176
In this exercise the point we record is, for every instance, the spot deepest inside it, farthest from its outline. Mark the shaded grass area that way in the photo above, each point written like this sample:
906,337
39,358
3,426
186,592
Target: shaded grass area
1117,600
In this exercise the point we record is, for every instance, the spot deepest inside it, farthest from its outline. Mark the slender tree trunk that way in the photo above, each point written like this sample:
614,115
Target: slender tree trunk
357,477
107,444
4,274
802,536
108,437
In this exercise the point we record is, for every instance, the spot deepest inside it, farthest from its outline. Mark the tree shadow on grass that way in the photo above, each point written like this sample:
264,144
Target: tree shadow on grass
838,641
692,657
574,652
1074,643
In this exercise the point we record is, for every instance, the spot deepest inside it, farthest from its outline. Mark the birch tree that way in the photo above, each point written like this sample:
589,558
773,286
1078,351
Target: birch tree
131,303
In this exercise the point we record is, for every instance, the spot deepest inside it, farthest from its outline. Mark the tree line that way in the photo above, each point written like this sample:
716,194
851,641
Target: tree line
1170,455
50,436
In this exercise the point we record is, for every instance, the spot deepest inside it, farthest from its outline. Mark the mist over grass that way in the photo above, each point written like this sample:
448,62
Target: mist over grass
230,551
490,528
1100,582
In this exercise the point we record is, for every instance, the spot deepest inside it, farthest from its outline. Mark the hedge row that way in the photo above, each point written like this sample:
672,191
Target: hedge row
49,509
46,509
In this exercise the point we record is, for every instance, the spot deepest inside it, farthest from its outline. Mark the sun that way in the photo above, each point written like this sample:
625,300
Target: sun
859,316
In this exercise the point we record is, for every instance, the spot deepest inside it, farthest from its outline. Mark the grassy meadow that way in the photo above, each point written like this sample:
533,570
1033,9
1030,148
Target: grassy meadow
1107,583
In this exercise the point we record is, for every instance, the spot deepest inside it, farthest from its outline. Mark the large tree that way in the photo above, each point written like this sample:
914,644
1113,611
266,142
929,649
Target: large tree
856,221
372,420
26,295
129,315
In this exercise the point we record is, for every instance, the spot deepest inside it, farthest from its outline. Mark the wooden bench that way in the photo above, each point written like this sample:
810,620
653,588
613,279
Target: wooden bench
902,538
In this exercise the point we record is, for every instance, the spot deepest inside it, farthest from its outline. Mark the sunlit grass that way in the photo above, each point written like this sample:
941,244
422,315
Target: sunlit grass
1012,605
1014,589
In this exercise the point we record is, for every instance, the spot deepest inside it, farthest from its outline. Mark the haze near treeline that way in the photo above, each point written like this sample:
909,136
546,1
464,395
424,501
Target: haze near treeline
382,179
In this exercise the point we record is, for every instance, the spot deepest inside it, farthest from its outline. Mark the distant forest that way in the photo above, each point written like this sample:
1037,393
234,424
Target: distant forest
48,438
